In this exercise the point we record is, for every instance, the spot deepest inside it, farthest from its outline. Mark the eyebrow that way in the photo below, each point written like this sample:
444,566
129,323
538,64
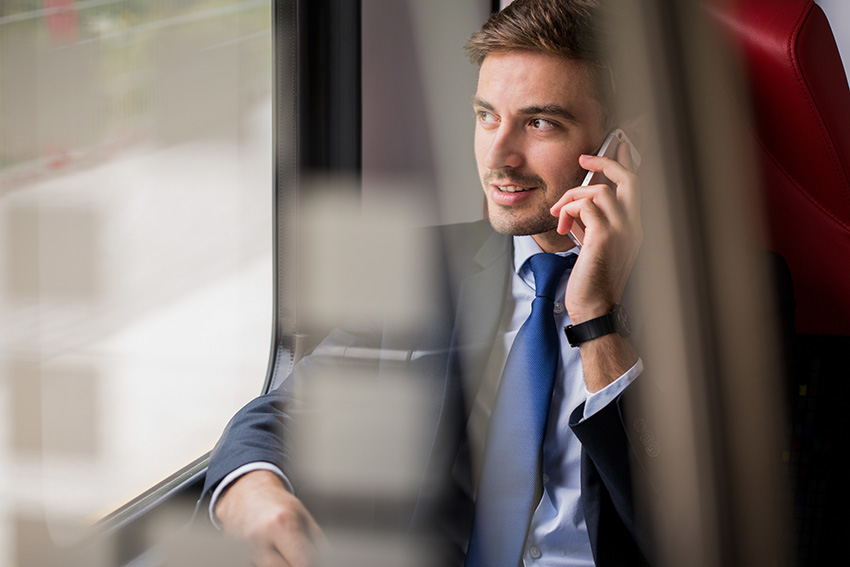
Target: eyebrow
550,110
479,102
546,109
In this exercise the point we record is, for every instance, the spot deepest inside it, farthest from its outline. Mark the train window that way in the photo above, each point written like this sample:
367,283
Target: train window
136,243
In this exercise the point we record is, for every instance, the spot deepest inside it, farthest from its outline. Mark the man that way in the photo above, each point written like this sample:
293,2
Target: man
543,106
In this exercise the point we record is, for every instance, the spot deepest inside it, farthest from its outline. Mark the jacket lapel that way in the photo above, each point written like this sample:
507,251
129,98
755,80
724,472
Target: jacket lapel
479,309
484,277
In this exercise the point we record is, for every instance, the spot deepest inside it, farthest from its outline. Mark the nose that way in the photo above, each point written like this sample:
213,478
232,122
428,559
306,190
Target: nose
505,148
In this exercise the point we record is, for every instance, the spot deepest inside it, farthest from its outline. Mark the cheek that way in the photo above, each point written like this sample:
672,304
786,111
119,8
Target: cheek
556,164
560,172
480,146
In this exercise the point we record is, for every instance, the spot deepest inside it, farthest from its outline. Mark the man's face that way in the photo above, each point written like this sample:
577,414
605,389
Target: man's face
535,114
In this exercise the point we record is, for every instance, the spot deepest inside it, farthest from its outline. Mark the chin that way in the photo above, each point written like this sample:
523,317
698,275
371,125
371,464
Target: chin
522,227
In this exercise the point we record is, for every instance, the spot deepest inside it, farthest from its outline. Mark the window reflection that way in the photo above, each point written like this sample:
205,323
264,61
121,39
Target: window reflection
135,243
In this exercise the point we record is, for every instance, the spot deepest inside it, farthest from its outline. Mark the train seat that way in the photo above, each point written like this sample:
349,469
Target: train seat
801,121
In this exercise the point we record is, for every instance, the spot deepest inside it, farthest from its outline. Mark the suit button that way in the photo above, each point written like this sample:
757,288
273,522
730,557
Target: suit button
534,552
653,449
647,438
545,478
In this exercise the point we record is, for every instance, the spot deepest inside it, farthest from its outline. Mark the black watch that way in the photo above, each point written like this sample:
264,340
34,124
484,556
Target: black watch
617,321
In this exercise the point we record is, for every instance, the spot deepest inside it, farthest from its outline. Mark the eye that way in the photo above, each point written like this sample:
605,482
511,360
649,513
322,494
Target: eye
542,124
486,117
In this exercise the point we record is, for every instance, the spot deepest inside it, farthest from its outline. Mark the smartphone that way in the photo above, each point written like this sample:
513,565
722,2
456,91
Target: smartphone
608,149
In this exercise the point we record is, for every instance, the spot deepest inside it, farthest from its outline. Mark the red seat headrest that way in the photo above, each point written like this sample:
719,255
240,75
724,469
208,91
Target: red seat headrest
801,122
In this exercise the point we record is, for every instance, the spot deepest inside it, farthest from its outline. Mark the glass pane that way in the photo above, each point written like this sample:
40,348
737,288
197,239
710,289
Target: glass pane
135,243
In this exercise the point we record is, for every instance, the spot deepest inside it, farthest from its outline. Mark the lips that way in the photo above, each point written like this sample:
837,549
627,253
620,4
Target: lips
512,188
510,195
512,181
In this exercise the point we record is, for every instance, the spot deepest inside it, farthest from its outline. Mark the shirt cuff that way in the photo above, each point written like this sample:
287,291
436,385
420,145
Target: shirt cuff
598,400
234,476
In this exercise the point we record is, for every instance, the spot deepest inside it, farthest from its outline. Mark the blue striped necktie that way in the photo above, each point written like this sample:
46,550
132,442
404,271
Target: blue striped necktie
508,491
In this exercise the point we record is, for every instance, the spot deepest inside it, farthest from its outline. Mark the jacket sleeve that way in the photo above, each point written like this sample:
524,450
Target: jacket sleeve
254,434
264,429
613,444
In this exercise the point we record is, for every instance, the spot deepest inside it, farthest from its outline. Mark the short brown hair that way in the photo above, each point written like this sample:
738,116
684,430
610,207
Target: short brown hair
567,28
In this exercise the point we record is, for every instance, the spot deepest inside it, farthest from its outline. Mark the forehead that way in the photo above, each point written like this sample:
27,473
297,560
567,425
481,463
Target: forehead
530,78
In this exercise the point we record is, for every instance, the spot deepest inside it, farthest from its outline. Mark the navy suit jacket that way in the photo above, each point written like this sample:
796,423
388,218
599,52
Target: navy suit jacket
448,353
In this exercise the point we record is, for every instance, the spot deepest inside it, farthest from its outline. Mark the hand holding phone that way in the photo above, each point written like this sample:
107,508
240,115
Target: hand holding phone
608,149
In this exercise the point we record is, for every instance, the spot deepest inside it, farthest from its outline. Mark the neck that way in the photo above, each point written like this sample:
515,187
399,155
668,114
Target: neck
553,242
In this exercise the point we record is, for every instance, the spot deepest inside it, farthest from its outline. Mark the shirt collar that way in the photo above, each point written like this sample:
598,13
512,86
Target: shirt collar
525,247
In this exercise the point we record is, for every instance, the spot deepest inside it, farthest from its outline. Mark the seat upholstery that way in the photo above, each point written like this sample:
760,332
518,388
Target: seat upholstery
801,121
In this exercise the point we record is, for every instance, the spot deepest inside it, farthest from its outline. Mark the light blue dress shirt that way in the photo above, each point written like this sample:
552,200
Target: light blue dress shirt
558,533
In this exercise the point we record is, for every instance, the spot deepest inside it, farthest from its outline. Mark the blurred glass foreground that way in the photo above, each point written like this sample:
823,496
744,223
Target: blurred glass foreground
135,246
136,263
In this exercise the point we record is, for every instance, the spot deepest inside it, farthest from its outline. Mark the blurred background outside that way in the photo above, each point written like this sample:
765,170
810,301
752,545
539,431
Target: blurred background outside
135,244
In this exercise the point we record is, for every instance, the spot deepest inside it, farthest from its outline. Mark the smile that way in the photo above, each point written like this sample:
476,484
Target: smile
512,188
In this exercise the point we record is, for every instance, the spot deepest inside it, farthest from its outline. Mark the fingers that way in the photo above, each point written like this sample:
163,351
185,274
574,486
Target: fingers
596,205
291,532
623,175
289,547
624,156
620,174
268,557
603,222
622,201
258,509
316,534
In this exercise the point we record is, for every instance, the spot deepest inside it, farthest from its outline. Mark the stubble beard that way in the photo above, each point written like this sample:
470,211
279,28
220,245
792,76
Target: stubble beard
513,222
507,221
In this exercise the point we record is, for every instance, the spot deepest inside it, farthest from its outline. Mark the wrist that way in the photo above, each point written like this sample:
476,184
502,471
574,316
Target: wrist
605,359
250,482
615,320
585,315
589,310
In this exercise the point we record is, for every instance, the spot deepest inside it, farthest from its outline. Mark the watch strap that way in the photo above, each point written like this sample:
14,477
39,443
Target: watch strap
598,327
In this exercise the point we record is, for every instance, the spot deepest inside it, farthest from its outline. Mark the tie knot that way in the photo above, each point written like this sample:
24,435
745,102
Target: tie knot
547,270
